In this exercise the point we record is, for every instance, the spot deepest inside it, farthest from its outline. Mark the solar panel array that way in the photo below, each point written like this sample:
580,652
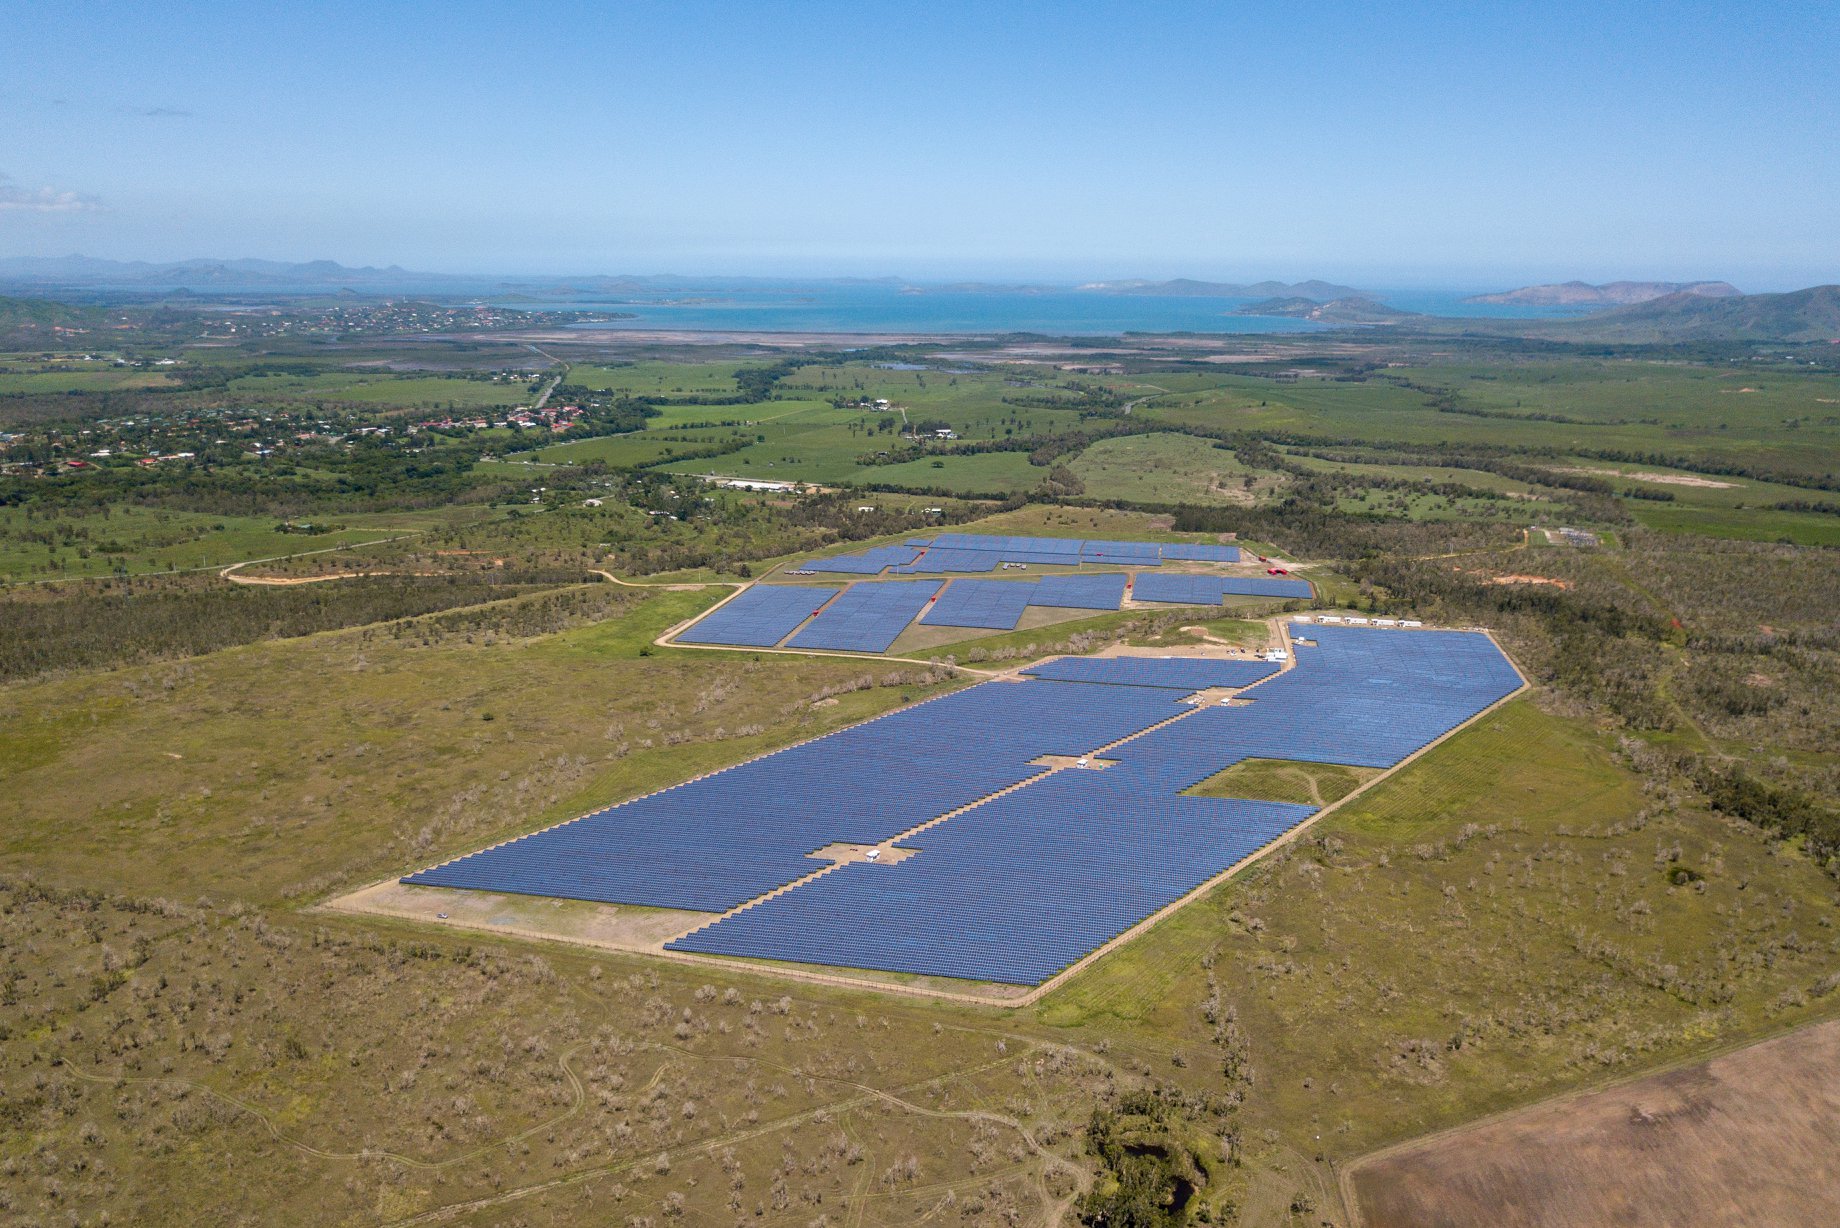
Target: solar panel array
758,617
981,603
1068,551
1012,891
1021,885
713,843
866,617
1000,604
1210,590
1128,554
1080,592
1187,674
1188,553
1183,590
870,562
1363,697
937,561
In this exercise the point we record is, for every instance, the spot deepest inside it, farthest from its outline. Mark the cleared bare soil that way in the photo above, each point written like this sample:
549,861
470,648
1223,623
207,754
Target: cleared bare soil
1751,1138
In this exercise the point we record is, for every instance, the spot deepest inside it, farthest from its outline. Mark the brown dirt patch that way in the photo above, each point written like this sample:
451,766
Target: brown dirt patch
1748,1140
619,926
1519,579
1660,479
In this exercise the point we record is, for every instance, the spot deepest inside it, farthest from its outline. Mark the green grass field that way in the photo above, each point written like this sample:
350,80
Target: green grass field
86,378
1169,468
386,390
1272,780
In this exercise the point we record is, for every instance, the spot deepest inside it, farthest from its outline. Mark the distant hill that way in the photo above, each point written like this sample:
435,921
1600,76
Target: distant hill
1800,315
89,272
1184,287
1355,309
1610,294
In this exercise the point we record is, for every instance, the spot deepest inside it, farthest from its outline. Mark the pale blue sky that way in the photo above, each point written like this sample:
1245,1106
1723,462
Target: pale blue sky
1408,143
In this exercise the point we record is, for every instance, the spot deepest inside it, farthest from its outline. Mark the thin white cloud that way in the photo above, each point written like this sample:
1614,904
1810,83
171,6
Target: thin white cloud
163,112
17,198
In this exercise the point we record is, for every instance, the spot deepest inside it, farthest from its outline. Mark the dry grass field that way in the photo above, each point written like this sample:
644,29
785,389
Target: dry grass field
1747,1140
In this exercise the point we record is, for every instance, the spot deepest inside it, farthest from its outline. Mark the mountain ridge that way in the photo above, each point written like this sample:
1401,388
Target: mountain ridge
1608,294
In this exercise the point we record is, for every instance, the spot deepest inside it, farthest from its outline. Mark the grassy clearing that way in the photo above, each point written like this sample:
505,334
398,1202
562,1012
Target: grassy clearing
382,389
1274,780
988,473
1741,524
1171,468
1417,505
82,379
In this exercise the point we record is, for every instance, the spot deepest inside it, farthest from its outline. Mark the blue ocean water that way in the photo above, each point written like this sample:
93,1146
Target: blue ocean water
870,309
885,308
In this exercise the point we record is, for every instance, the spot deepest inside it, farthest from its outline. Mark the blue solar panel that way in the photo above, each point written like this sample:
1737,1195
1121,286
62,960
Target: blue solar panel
1141,554
1009,546
1182,673
866,617
713,843
937,561
1014,890
868,562
759,616
1080,592
1177,589
1188,553
1020,886
1209,590
1358,696
1071,551
981,603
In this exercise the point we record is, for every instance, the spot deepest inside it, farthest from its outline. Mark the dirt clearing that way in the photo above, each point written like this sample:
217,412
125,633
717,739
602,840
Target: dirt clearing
1659,479
1748,1140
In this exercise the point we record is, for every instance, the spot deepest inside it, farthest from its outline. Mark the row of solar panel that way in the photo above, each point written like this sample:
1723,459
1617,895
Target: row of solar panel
1012,891
870,562
713,843
1018,887
758,616
975,552
868,620
999,604
870,617
866,617
1064,547
1211,590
